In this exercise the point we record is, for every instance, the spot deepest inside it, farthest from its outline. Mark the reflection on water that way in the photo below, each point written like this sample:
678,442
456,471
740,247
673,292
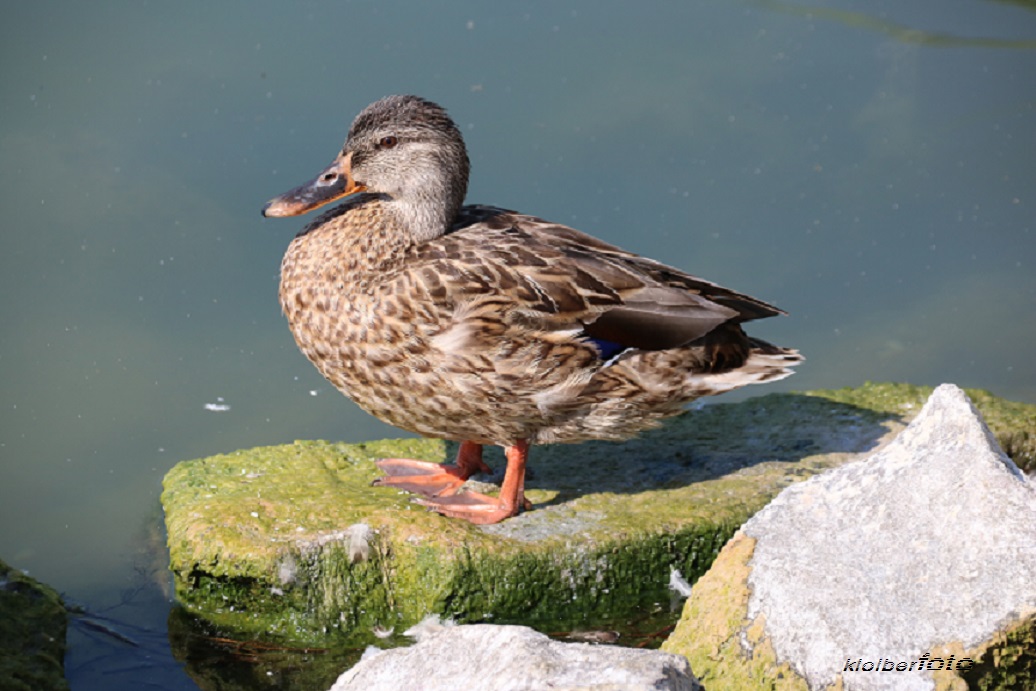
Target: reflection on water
903,33
867,168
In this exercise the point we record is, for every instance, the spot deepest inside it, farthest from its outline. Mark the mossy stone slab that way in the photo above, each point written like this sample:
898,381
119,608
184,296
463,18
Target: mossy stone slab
291,543
33,621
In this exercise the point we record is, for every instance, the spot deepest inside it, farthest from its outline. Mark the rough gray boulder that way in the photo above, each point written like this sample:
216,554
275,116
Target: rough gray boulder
876,573
515,658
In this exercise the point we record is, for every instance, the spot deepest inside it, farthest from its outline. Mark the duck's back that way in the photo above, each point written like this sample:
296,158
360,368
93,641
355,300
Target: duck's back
509,327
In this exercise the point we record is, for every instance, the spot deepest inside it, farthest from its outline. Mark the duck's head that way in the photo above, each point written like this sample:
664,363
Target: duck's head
404,149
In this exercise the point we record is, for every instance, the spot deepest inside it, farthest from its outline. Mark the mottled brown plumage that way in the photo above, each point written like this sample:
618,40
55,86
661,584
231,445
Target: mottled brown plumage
487,326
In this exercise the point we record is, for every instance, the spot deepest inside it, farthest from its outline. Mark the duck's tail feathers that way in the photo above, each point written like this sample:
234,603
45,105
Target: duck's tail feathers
766,363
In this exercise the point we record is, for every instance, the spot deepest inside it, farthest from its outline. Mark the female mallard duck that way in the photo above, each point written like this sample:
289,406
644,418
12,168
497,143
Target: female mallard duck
486,326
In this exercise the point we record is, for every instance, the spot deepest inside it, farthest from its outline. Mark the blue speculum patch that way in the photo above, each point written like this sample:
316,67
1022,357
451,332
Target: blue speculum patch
609,349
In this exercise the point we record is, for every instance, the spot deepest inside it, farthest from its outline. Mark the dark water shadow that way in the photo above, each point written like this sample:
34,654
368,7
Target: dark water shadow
216,661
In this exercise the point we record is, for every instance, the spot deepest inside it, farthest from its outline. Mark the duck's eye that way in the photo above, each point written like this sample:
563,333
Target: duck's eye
387,142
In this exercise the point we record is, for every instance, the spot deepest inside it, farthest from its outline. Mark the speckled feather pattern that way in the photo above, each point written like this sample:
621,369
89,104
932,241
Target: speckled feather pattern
481,334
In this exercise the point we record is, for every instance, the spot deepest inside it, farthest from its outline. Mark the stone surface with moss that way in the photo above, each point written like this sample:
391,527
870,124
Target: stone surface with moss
1013,423
714,620
291,543
33,621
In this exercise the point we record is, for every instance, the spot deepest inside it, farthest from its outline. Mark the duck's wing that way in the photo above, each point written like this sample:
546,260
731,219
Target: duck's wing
562,279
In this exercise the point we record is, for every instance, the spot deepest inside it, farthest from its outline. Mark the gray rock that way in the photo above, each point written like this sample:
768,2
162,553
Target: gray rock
515,658
930,541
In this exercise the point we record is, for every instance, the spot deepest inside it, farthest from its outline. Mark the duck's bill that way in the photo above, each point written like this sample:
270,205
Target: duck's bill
334,182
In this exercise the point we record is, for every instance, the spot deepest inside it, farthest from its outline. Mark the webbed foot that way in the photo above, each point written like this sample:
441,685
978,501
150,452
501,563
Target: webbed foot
432,479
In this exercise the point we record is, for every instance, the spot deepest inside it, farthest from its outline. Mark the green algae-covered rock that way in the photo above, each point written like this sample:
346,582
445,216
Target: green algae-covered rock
32,634
291,542
713,621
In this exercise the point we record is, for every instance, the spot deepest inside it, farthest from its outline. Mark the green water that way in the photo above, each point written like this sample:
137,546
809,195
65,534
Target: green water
868,166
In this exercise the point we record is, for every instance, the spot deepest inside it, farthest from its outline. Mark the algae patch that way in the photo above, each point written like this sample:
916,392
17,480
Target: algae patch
33,621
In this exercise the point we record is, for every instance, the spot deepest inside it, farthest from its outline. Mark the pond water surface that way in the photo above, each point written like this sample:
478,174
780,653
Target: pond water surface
868,166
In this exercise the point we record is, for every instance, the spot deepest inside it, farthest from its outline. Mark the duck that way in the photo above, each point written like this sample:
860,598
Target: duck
486,326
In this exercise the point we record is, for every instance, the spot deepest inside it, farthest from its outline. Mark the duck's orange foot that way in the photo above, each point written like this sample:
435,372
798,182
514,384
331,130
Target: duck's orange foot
441,483
474,507
481,509
419,477
432,479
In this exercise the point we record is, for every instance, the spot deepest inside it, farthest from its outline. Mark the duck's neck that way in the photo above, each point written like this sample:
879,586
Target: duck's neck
422,221
428,204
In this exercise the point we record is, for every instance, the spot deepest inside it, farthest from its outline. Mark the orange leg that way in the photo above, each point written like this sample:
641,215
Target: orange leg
479,508
432,479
